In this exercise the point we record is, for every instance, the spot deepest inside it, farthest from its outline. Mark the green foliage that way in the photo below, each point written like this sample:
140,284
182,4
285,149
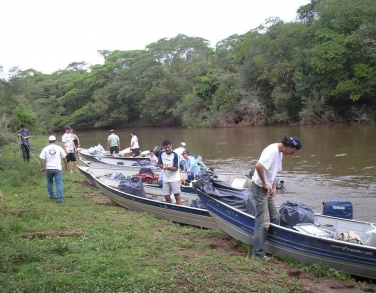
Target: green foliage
331,49
25,115
6,135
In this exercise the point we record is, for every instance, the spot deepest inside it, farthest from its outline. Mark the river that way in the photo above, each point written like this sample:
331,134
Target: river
335,162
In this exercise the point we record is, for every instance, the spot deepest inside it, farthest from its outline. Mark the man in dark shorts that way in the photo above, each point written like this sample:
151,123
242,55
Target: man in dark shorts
69,148
113,143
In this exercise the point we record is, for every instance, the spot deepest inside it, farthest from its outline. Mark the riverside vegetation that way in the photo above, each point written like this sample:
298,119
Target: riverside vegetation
85,245
319,69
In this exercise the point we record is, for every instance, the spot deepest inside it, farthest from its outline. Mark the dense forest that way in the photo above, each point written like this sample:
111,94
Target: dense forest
319,69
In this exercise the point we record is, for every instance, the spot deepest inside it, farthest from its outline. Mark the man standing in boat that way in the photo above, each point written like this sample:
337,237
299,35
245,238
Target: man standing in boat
135,148
180,151
113,143
168,161
264,189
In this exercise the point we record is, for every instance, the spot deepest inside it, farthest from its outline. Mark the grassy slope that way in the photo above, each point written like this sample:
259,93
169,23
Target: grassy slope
120,251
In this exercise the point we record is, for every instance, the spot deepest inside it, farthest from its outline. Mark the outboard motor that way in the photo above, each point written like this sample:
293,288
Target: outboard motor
157,150
181,165
251,173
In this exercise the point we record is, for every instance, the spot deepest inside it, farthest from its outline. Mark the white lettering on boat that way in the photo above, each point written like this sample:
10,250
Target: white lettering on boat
352,249
338,208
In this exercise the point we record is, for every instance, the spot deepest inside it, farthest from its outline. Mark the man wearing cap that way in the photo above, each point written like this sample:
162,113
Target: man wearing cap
264,189
113,143
50,164
190,165
180,151
24,134
69,148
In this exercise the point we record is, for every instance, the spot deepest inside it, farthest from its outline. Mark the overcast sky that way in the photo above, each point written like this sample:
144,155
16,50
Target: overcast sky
48,35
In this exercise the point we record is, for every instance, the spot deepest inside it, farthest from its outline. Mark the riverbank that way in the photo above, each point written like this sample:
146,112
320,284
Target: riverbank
92,245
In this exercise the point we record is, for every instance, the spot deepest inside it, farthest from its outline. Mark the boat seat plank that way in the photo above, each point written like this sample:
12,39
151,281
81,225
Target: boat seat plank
239,183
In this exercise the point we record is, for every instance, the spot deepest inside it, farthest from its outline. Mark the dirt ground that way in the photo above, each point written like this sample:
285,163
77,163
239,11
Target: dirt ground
308,281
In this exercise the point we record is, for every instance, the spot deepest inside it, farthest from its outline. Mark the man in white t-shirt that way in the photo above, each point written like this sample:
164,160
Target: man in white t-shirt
69,148
180,151
50,164
168,161
264,189
135,148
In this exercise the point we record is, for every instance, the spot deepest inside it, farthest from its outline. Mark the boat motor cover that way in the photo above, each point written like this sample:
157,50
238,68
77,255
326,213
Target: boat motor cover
132,185
240,199
292,214
339,208
117,176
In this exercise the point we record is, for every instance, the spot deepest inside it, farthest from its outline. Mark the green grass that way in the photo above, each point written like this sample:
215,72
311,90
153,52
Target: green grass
120,251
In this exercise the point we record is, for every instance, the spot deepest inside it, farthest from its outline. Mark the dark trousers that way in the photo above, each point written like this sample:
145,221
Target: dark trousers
136,152
25,152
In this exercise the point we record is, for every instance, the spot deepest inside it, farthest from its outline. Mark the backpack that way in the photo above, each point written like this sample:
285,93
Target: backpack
147,175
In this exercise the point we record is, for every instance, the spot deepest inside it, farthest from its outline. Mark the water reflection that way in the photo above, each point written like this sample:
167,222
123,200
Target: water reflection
336,161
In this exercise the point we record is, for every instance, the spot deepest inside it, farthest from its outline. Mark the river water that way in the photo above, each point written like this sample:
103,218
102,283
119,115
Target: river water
335,162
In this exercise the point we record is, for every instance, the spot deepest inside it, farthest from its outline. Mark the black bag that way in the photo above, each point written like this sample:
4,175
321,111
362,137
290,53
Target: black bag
146,171
132,185
117,176
295,213
242,199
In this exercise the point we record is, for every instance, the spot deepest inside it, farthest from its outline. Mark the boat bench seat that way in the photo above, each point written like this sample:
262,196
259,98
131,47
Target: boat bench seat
239,183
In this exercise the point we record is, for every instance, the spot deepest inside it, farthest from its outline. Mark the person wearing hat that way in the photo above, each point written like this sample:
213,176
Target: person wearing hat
190,165
264,189
113,143
180,151
50,164
24,135
69,148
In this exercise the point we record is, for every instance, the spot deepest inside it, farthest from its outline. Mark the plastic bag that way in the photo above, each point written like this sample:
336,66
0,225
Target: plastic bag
92,151
132,186
99,148
371,237
295,213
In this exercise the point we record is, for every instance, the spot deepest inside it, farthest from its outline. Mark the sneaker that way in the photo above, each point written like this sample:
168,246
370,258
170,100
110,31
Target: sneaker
60,201
259,257
52,197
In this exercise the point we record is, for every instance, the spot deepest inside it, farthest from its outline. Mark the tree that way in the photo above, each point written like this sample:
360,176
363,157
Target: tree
25,115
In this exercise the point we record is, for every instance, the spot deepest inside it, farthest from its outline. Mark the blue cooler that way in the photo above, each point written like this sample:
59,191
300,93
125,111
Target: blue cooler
339,208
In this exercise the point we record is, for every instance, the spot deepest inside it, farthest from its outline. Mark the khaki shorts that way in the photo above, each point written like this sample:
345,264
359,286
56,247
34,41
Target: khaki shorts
171,187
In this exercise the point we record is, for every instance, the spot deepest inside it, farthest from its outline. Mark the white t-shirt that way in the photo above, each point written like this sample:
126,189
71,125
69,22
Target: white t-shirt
271,160
180,151
52,154
68,139
170,160
135,140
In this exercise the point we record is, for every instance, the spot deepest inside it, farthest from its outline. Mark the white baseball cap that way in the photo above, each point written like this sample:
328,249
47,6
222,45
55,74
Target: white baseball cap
51,138
183,144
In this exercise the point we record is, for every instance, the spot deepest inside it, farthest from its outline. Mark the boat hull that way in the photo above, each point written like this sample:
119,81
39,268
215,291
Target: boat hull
84,153
354,259
177,213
